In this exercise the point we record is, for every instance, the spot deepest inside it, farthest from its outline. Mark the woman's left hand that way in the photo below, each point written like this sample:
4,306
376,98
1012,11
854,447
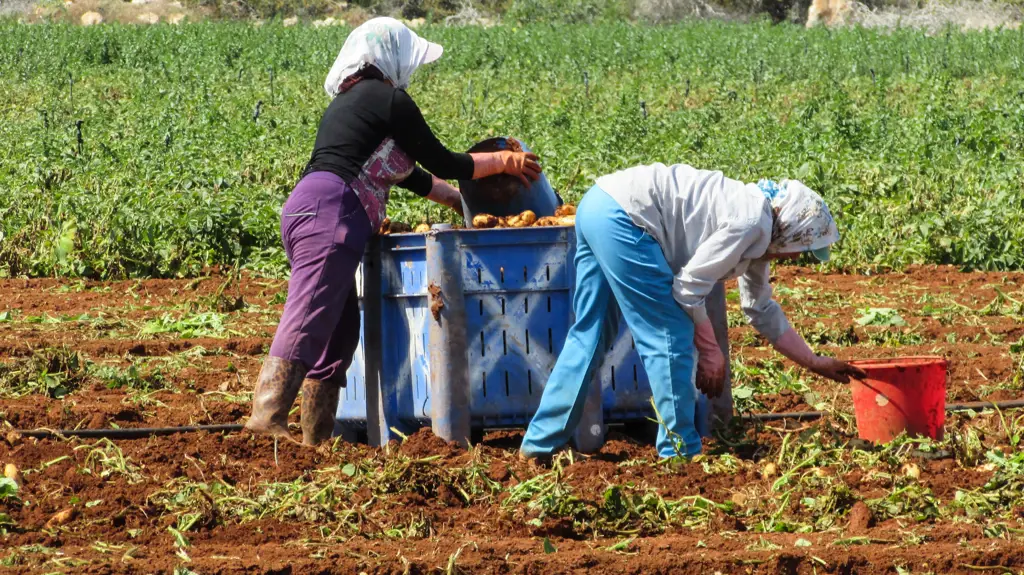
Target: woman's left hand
445,194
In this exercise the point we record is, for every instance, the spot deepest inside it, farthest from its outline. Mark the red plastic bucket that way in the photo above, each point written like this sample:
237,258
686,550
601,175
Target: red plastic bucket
900,394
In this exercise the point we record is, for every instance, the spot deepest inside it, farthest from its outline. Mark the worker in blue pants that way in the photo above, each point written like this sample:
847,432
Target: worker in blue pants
659,240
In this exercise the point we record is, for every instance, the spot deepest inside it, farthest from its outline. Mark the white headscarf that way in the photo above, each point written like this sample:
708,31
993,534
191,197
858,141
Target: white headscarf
387,44
802,220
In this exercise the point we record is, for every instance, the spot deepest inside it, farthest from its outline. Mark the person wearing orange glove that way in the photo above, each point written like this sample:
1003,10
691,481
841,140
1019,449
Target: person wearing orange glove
371,137
658,241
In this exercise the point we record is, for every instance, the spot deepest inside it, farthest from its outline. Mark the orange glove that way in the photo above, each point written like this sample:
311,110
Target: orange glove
522,165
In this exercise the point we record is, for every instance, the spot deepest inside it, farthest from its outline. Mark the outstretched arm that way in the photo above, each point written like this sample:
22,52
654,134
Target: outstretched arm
411,132
793,346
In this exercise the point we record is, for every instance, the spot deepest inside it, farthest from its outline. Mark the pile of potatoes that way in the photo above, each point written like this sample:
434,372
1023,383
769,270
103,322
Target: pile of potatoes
564,216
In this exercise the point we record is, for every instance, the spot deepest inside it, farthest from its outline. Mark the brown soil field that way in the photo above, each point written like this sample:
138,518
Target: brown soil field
768,498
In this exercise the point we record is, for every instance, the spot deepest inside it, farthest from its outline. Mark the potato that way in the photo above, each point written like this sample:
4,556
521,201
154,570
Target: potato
385,227
523,220
12,472
422,229
911,471
556,221
565,210
61,518
400,228
484,221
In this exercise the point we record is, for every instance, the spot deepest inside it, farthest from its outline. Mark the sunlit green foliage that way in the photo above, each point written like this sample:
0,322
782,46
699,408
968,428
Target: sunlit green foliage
192,136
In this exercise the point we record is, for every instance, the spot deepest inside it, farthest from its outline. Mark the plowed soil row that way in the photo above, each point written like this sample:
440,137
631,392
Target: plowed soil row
120,521
227,504
946,312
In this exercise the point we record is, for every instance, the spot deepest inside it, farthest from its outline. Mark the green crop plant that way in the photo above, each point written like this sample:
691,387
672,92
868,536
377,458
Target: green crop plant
187,326
135,151
55,372
752,379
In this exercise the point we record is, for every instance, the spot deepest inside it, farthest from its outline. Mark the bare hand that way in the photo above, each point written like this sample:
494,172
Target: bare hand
523,165
837,370
711,371
445,194
710,384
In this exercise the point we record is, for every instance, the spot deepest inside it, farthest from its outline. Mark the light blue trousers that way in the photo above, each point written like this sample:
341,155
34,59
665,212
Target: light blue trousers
615,258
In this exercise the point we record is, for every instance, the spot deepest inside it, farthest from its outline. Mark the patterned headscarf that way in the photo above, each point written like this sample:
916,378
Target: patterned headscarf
803,222
388,45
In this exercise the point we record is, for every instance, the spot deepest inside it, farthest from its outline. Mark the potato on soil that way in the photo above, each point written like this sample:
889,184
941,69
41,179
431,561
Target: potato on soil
62,517
422,228
912,471
484,221
523,220
565,210
12,472
769,471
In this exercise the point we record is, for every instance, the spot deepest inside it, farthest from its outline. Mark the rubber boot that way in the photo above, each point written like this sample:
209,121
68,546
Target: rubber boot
276,390
319,404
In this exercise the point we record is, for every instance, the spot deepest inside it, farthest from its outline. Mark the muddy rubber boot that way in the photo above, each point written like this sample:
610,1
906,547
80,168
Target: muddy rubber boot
319,404
276,390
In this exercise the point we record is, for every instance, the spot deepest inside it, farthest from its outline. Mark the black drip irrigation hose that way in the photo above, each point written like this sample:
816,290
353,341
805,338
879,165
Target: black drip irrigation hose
142,432
950,408
129,432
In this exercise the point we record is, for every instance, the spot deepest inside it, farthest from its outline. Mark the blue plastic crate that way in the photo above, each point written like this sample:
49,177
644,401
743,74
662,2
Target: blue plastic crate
405,365
395,267
517,287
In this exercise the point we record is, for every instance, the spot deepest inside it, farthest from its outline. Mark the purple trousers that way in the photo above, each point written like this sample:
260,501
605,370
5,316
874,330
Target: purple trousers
325,230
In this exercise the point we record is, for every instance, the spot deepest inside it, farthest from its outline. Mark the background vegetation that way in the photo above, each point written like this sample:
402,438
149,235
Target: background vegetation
158,151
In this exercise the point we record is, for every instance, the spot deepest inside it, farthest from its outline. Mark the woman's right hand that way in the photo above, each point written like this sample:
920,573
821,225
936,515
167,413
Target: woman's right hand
523,165
710,360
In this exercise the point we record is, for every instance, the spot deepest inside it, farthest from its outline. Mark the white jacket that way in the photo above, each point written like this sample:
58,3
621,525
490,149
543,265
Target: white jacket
710,228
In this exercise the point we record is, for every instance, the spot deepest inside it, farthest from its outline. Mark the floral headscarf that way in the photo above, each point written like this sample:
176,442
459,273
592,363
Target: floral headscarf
388,45
803,222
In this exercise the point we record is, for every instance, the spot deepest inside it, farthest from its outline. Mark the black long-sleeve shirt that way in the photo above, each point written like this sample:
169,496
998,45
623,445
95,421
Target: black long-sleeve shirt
359,121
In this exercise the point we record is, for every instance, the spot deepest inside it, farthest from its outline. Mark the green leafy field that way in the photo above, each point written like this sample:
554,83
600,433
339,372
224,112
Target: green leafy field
916,141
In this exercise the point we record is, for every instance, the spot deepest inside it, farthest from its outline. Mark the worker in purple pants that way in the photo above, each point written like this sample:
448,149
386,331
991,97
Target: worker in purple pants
371,137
